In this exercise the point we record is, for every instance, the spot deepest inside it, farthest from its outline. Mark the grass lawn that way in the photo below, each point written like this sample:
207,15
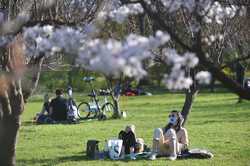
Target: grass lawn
216,123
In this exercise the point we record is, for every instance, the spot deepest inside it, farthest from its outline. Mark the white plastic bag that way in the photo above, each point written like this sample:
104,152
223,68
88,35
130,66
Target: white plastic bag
114,148
73,111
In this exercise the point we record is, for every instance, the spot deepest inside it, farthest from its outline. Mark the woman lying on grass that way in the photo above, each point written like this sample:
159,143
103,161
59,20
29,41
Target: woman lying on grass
170,140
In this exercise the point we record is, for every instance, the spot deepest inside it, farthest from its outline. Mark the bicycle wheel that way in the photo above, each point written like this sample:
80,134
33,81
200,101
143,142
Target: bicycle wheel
108,109
84,111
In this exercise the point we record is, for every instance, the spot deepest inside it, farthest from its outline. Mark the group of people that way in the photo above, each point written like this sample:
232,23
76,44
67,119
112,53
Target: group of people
169,141
59,109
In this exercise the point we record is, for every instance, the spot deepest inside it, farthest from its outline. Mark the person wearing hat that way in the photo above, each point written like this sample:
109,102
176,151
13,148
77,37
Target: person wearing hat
58,107
170,140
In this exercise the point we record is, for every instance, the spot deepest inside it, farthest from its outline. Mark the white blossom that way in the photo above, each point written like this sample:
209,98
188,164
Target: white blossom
190,59
178,81
4,40
36,40
203,77
213,38
217,12
163,37
49,40
121,13
177,78
114,57
208,9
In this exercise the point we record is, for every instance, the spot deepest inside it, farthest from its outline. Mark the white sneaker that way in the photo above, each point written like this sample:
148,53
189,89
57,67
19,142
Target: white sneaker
172,157
152,156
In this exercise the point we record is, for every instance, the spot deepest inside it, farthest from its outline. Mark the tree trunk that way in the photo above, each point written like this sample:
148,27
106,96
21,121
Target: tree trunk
115,98
212,84
11,102
12,105
190,95
117,112
187,107
9,126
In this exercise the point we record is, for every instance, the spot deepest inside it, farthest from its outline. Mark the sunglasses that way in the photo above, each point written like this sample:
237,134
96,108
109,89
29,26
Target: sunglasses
171,116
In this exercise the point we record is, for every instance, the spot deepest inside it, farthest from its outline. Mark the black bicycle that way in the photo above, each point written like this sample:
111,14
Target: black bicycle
94,108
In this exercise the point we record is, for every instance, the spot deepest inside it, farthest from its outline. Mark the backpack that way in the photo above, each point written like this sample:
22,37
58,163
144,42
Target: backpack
92,150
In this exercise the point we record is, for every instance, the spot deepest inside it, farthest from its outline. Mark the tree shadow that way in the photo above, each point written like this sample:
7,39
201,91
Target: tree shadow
77,157
219,117
27,123
31,123
48,162
81,156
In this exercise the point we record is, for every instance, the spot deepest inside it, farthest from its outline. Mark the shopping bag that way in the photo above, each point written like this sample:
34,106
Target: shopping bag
114,148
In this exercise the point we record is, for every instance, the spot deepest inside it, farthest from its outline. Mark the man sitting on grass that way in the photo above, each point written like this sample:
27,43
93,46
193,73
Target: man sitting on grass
58,107
170,140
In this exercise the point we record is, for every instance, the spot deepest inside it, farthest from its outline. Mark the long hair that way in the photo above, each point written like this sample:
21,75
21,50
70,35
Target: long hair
178,124
180,120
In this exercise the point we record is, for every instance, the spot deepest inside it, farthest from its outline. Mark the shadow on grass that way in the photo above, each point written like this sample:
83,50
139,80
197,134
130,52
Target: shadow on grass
31,123
218,107
48,162
200,123
81,156
222,117
80,121
78,157
27,123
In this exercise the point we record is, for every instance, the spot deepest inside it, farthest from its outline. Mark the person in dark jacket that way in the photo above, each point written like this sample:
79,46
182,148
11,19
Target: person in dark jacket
131,144
58,107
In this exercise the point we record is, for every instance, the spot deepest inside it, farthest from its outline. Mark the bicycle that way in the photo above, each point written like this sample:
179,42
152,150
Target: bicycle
93,108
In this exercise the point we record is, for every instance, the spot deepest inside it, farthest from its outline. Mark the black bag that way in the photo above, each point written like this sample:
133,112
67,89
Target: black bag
196,153
92,149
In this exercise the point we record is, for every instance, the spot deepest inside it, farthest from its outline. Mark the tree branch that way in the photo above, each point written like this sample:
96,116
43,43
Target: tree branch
235,61
216,72
219,74
156,17
130,1
35,66
235,2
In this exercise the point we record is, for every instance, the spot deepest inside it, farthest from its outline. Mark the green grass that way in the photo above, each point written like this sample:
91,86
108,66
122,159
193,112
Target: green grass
215,123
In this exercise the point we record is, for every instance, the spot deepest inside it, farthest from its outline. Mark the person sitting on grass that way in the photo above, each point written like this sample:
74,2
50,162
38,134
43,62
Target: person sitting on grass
72,107
58,107
170,140
43,116
131,144
45,108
